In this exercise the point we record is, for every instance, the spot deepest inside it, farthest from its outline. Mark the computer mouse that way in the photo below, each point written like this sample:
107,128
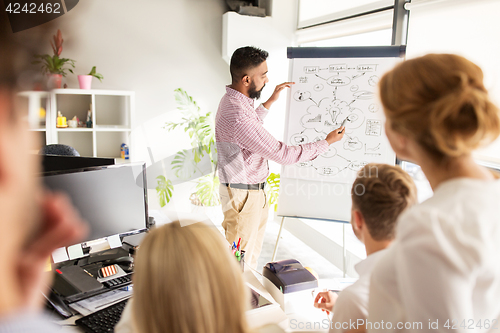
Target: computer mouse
120,260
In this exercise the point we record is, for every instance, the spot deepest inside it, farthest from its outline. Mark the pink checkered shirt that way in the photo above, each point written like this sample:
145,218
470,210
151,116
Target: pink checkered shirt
244,145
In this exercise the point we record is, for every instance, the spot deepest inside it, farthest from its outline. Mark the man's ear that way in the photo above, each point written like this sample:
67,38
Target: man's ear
358,220
246,80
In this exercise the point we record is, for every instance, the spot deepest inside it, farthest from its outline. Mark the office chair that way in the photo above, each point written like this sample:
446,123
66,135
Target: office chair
58,149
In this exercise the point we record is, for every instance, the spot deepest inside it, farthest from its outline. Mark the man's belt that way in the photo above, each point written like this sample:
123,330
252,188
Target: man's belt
259,186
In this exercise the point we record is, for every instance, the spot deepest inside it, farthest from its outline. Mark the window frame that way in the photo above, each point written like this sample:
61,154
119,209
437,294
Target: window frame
354,12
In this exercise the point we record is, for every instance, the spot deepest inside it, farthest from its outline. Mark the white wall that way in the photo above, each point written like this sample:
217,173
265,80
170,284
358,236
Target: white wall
150,47
153,47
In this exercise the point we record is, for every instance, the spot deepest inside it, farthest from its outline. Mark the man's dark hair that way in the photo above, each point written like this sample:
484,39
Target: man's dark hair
244,59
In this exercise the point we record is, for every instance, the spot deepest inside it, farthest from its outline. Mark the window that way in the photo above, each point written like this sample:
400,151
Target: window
372,38
469,28
313,12
366,30
423,187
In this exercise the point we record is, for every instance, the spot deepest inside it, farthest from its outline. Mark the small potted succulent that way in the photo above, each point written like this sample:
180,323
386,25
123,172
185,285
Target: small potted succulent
86,80
54,66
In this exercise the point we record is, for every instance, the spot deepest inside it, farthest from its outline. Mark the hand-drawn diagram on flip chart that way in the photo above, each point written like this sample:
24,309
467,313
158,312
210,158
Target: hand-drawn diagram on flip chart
326,94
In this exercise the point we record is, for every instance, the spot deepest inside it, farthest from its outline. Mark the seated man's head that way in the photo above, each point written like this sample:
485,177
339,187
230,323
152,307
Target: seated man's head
380,194
249,70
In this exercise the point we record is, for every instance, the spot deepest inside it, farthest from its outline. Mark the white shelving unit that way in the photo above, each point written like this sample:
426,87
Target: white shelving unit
32,101
112,118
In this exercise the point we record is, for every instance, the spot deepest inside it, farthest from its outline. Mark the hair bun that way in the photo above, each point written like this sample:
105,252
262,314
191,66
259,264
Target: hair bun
463,120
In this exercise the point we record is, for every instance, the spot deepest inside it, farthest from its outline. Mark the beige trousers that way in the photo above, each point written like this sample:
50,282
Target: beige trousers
245,216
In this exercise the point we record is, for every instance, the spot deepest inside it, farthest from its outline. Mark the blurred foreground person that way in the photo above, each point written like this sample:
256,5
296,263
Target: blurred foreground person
33,223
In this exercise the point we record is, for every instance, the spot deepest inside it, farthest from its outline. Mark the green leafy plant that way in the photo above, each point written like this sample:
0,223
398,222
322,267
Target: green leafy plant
184,164
200,127
96,75
273,182
54,64
207,190
164,190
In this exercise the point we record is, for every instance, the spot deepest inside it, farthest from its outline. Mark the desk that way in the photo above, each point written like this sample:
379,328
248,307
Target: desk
255,317
344,251
299,306
304,317
263,316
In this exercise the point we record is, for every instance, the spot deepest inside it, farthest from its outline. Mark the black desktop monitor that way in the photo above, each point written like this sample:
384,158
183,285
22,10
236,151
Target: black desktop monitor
60,163
112,199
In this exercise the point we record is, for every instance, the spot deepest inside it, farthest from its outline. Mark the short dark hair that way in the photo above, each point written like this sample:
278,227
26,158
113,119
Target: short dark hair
381,192
244,59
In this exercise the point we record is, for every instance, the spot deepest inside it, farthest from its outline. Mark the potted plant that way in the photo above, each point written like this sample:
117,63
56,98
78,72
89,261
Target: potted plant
164,190
200,128
273,190
85,81
54,66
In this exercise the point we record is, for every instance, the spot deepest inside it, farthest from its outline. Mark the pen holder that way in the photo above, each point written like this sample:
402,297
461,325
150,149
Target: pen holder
242,260
240,257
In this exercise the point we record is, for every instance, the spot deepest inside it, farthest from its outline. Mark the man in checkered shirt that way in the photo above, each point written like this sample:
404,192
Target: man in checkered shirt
244,146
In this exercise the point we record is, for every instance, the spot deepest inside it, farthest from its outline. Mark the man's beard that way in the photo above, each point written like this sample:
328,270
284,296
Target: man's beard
252,91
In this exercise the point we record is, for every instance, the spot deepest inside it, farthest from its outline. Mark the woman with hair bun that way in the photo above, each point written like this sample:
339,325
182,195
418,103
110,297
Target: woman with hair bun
442,272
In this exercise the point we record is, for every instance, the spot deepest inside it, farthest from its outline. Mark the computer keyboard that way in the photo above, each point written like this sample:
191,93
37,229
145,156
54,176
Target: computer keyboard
103,320
118,282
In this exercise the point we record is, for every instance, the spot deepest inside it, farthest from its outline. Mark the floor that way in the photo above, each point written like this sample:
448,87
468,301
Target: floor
290,247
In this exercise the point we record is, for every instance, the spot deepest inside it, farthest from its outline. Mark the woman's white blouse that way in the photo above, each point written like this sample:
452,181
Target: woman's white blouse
442,273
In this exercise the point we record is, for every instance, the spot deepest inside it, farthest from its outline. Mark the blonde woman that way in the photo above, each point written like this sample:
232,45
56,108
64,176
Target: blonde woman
442,272
186,281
